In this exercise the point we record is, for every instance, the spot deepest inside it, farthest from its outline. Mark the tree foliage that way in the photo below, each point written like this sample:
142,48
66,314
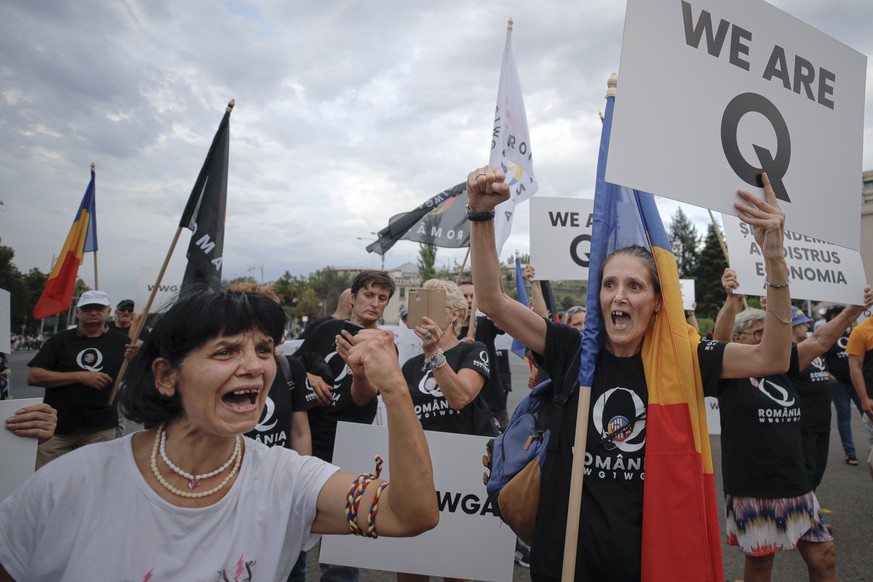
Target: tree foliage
710,266
685,241
426,261
311,296
24,292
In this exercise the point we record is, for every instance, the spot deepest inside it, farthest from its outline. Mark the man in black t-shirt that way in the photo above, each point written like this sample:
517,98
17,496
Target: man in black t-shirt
350,398
370,293
77,367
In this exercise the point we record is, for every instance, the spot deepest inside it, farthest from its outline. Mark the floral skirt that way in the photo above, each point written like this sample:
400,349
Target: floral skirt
761,527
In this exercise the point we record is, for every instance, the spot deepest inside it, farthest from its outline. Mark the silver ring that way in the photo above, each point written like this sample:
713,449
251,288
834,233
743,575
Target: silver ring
479,174
428,336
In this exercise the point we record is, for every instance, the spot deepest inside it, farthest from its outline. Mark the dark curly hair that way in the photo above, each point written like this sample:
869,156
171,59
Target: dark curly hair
194,319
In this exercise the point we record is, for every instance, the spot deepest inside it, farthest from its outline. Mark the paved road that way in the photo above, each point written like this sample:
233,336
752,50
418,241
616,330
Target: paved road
846,494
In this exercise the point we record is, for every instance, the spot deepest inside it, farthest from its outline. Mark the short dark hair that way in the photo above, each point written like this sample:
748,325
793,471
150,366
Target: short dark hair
833,311
370,276
194,319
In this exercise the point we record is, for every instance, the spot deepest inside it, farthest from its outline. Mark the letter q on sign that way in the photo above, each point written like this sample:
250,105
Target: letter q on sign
776,165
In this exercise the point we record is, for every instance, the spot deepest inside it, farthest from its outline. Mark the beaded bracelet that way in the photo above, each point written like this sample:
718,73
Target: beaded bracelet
767,283
434,362
353,500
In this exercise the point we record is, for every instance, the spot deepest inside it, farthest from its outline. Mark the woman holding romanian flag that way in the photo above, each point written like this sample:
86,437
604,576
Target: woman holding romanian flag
614,540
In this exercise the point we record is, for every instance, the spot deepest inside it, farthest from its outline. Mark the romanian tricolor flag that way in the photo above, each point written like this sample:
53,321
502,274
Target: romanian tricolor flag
680,516
81,239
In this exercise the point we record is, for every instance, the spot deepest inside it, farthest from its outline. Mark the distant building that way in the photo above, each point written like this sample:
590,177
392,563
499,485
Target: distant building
406,277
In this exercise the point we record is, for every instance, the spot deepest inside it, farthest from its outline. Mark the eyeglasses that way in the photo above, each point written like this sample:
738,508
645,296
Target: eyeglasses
757,334
607,440
124,309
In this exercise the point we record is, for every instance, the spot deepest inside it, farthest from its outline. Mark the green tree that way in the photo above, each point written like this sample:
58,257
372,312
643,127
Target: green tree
710,266
426,260
287,288
24,290
685,241
328,284
308,303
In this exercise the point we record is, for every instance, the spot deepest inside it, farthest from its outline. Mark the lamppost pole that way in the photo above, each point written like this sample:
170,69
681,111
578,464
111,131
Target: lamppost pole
377,238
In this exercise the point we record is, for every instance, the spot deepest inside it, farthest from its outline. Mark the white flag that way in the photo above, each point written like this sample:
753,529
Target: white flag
510,144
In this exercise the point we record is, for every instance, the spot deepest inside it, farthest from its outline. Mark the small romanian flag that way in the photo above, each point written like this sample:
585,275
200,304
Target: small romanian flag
81,239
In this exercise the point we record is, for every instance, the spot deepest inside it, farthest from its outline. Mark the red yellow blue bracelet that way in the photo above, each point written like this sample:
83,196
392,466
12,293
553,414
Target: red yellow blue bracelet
353,501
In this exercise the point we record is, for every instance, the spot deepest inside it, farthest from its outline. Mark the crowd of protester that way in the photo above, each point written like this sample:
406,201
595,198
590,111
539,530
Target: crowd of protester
209,390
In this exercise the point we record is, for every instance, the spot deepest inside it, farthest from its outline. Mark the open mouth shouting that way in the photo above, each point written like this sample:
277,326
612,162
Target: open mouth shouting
242,400
621,320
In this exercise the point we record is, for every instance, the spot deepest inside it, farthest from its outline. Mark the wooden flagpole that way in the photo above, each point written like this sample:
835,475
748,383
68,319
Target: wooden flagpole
577,470
463,265
96,277
577,477
139,322
724,249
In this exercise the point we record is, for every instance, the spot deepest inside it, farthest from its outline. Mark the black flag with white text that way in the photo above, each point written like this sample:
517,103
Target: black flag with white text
204,214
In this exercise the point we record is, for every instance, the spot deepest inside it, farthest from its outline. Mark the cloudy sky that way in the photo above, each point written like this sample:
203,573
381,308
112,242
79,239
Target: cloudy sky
346,113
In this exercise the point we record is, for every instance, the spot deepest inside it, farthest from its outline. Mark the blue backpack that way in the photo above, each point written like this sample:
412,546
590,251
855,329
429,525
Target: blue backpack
515,459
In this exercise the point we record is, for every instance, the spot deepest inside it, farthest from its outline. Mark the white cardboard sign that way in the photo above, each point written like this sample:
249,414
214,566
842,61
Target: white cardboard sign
469,542
711,92
713,417
560,237
818,271
167,292
5,322
688,296
19,453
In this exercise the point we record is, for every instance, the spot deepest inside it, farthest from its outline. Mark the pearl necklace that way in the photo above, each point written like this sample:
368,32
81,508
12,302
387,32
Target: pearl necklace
188,494
193,480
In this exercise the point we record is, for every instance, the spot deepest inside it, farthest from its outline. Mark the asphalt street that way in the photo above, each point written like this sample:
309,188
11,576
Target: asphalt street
846,495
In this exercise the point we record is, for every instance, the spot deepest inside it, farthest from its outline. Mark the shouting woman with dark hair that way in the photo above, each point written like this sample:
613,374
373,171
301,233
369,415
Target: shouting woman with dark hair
207,503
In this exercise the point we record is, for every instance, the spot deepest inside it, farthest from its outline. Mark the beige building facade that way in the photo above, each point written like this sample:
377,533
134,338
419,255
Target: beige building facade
867,224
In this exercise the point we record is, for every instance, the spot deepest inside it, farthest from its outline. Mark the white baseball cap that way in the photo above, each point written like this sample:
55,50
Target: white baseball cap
93,298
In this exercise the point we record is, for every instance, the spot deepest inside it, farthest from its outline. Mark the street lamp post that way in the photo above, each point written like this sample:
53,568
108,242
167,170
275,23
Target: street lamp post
377,238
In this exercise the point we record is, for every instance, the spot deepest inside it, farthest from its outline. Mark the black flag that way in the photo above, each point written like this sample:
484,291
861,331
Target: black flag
440,221
204,213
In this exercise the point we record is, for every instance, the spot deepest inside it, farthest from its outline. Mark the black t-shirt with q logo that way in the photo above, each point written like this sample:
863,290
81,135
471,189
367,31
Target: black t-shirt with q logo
80,408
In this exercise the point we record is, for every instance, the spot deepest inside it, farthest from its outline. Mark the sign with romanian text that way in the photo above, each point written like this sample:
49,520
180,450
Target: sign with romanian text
711,94
470,541
818,271
560,237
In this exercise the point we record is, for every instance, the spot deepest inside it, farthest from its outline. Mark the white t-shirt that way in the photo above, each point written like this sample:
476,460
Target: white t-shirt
90,515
